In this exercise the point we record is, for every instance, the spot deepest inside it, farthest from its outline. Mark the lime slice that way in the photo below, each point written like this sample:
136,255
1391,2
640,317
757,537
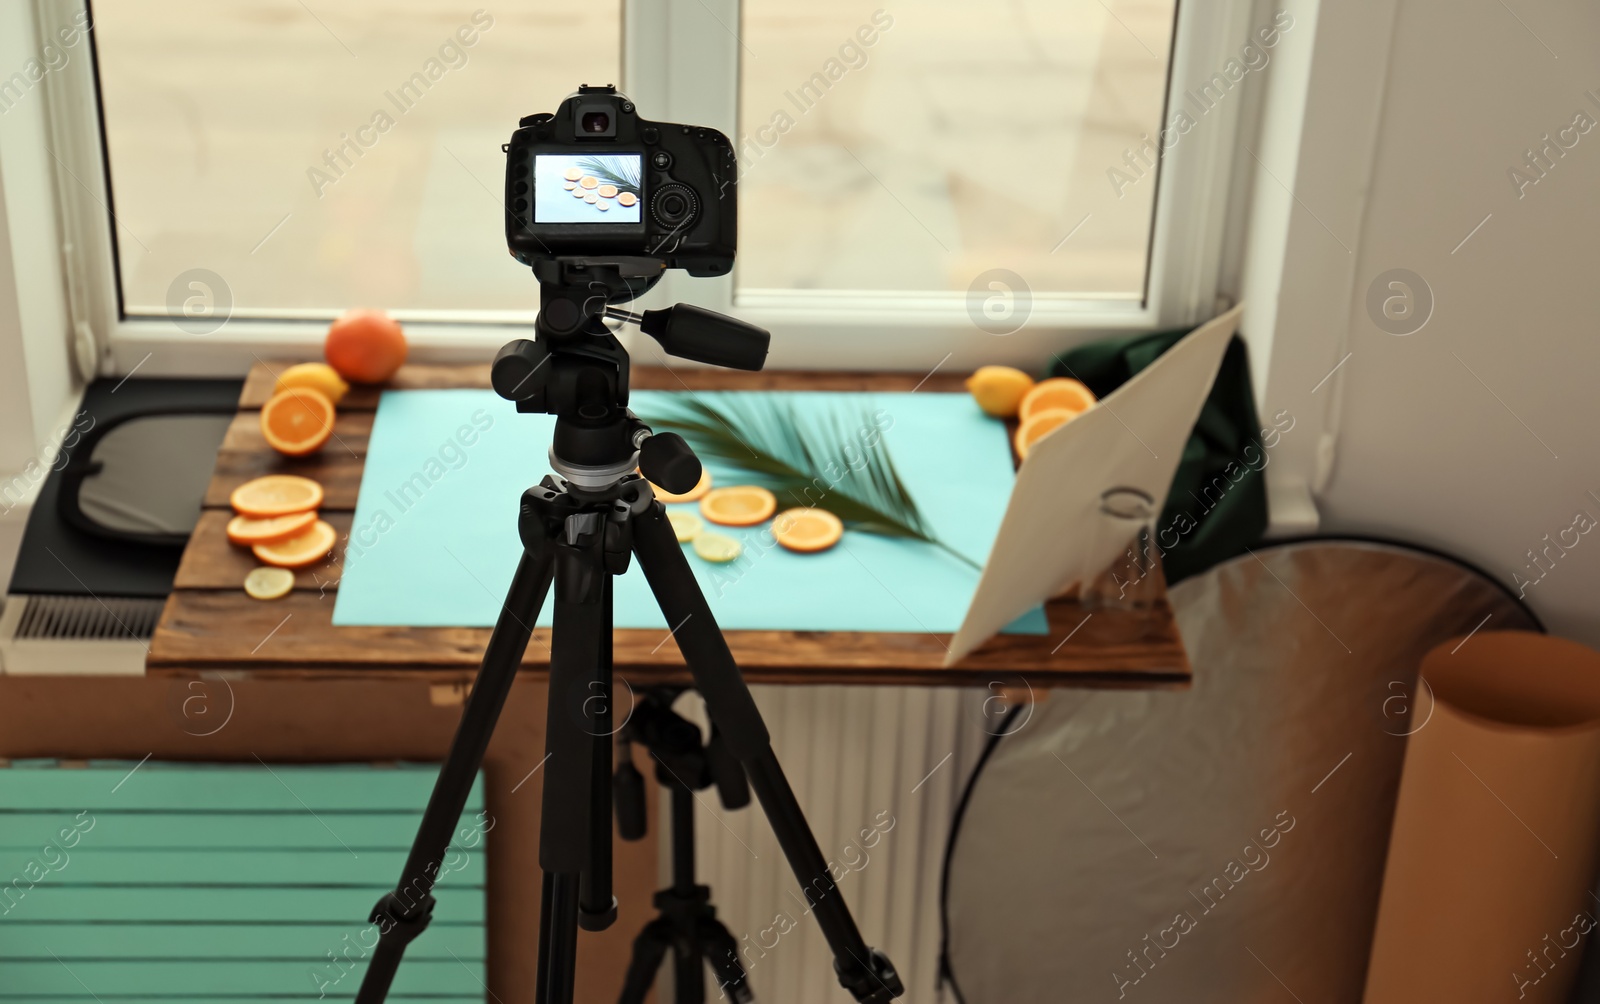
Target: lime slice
686,525
717,547
268,583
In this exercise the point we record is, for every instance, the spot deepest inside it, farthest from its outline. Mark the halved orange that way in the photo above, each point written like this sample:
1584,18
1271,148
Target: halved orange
1038,426
1055,394
276,495
297,421
248,530
306,548
807,529
740,505
692,495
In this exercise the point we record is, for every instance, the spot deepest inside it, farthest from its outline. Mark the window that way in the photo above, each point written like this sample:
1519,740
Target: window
916,180
918,147
320,155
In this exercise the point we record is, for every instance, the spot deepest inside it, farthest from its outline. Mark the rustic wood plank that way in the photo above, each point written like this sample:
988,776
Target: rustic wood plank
210,629
351,431
364,397
696,378
338,471
211,562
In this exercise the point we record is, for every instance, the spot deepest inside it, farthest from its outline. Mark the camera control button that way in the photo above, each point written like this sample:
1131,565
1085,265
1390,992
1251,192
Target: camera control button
661,160
650,134
674,206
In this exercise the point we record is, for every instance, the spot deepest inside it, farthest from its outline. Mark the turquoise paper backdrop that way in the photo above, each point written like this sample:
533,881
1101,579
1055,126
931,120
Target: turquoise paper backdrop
434,542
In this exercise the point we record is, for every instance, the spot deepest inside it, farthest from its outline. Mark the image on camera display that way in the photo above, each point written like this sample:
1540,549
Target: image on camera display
587,188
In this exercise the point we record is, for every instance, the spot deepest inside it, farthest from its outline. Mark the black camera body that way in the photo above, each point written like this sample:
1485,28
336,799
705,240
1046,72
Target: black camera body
596,180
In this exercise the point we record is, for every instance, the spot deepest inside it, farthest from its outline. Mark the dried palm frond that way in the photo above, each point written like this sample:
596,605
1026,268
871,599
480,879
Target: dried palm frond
839,463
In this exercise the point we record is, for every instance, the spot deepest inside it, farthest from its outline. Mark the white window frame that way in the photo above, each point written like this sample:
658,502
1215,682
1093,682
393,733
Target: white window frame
680,61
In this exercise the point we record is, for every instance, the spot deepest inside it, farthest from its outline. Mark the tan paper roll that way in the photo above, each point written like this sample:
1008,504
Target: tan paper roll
1486,892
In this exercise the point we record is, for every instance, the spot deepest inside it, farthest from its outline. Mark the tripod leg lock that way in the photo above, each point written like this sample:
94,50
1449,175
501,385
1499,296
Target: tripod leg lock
397,925
598,921
877,984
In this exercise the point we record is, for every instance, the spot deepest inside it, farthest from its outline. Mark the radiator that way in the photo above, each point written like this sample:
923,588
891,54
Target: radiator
79,635
888,760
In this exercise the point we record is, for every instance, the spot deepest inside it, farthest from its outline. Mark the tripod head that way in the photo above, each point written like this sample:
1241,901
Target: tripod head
576,369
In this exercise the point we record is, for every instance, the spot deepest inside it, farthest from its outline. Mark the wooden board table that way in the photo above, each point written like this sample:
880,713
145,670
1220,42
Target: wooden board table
209,624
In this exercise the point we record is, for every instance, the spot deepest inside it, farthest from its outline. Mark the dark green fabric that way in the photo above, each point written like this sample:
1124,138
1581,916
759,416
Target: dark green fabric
1218,503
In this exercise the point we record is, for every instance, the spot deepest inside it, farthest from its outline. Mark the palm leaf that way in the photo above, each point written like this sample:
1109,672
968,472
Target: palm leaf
623,172
839,462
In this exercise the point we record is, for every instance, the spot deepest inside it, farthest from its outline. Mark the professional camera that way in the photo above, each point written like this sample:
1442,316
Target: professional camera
600,203
596,179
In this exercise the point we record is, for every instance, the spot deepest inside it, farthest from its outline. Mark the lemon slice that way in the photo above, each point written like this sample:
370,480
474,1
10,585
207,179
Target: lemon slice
267,583
717,547
686,525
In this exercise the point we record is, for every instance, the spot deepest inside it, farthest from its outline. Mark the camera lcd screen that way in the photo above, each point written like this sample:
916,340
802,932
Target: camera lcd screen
587,187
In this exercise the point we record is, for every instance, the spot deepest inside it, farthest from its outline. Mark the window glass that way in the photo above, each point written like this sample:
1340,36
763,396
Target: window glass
321,155
917,146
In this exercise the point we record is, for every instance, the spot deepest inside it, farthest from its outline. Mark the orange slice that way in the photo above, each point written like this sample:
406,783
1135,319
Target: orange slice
807,530
692,495
740,505
1040,425
297,421
1055,394
307,548
248,530
276,495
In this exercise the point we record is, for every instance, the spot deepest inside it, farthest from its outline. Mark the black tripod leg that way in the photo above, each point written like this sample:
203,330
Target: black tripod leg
649,948
598,909
867,974
582,591
722,953
403,914
688,970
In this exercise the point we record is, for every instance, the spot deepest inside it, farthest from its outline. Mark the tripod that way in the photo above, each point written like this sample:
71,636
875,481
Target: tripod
688,922
578,530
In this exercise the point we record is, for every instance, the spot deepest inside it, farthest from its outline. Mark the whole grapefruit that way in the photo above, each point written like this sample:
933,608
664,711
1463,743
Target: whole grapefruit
365,346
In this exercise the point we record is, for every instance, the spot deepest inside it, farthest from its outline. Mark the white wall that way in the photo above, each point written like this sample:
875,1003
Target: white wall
33,309
37,385
1482,466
